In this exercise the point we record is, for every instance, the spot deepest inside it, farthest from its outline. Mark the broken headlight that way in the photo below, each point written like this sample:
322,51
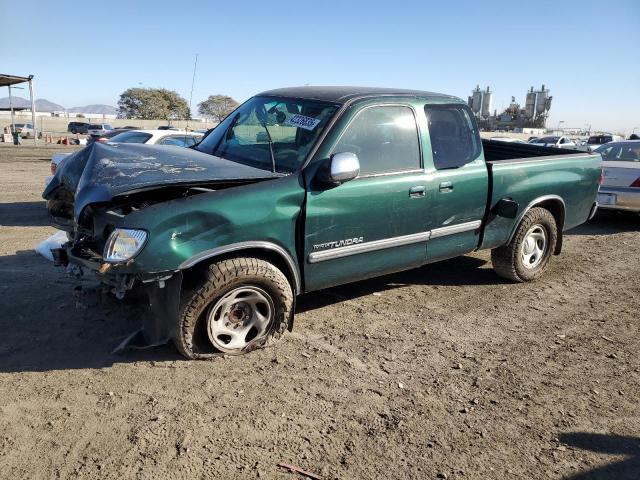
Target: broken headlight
124,244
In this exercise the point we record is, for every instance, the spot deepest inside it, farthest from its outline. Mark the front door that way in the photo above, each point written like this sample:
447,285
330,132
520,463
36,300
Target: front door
458,182
375,223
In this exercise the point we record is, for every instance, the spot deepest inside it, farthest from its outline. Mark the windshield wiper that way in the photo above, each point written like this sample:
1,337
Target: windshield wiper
273,157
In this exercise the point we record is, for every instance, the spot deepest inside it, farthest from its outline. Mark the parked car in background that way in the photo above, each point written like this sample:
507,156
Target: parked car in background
531,139
620,189
557,142
24,129
507,139
77,127
106,136
169,127
156,137
596,141
122,135
98,128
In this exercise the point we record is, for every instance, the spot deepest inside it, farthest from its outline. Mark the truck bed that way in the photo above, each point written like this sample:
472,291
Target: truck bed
524,173
497,151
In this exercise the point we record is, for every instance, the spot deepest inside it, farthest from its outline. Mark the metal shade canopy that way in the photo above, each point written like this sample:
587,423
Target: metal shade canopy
7,81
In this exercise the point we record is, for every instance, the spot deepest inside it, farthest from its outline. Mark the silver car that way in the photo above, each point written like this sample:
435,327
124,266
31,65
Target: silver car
620,188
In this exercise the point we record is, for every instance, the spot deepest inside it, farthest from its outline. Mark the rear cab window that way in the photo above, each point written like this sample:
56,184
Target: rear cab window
455,140
385,139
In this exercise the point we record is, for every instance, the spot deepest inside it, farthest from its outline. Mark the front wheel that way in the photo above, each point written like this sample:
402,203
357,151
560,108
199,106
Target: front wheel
528,254
243,304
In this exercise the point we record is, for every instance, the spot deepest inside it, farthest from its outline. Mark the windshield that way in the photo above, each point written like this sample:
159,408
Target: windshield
599,139
546,140
269,133
620,152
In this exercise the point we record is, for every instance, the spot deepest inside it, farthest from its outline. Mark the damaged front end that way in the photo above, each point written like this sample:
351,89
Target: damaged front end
93,197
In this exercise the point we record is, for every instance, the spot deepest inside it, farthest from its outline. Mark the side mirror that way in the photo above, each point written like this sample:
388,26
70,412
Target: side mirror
343,166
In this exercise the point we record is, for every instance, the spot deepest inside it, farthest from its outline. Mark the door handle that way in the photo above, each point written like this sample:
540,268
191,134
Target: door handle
417,191
446,187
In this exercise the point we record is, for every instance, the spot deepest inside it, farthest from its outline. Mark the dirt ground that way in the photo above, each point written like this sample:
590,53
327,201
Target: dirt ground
441,372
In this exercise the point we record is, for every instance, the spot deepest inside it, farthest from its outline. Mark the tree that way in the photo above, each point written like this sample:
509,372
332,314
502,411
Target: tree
152,104
217,107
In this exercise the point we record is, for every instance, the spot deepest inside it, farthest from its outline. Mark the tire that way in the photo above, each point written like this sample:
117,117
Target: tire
524,258
74,132
253,290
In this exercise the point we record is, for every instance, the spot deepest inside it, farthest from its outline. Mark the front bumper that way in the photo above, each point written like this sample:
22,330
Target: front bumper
121,277
619,198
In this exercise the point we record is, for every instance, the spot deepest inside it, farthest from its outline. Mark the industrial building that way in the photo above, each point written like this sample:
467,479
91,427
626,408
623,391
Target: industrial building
513,118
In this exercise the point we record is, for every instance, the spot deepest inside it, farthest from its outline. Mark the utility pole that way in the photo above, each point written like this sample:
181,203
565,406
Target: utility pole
13,120
33,111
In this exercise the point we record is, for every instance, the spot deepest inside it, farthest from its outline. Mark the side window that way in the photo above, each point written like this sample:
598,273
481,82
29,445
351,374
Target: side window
454,137
385,139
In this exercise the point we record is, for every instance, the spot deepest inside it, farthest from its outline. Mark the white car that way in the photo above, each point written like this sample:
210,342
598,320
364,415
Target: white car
156,137
24,129
97,129
596,141
149,137
507,139
620,188
557,142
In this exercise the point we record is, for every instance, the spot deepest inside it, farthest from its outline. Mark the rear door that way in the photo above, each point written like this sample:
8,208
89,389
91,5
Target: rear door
458,184
375,223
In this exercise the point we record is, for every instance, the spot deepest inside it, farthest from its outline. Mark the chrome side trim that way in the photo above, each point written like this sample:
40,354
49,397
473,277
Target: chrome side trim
262,245
594,210
453,229
340,252
532,204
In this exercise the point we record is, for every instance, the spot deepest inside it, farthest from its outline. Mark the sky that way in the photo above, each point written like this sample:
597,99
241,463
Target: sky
586,52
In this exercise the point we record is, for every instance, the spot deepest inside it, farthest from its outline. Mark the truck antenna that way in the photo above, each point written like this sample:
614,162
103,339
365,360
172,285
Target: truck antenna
193,81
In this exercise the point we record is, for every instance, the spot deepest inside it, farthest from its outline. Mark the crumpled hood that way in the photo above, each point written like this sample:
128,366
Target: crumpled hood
102,171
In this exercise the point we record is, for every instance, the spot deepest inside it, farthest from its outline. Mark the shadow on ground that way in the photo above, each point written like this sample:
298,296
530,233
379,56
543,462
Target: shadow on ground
41,329
608,222
456,271
24,214
627,469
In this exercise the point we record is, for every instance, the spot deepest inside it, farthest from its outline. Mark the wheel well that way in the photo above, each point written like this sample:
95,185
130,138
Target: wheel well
194,274
556,207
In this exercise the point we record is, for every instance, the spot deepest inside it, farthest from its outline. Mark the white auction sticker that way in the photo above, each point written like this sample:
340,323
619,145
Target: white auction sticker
308,123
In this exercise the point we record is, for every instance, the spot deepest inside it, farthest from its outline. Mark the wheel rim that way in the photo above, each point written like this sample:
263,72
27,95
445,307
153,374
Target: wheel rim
240,318
534,246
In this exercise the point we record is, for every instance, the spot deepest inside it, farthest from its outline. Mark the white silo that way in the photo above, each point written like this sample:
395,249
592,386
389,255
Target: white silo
486,103
541,100
475,100
530,104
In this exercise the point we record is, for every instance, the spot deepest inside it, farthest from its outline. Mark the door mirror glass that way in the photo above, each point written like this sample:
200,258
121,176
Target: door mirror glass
344,166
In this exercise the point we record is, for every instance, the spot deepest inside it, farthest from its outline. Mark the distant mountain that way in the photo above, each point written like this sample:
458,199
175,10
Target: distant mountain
44,105
98,108
17,102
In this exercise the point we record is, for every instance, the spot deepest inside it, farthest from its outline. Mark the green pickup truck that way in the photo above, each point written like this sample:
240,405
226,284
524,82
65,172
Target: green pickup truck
305,188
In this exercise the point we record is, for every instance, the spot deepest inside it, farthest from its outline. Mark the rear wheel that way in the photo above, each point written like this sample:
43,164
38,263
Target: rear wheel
528,254
243,304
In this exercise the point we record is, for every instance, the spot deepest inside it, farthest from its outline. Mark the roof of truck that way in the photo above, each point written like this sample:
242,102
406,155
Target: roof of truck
344,94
